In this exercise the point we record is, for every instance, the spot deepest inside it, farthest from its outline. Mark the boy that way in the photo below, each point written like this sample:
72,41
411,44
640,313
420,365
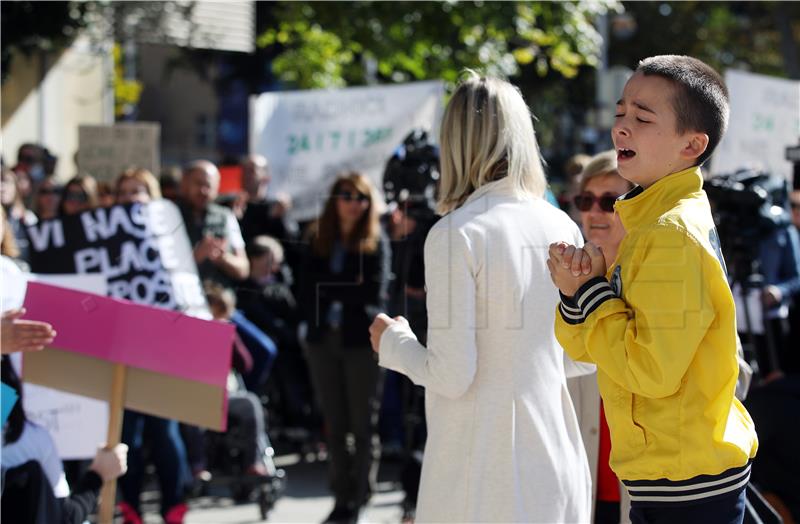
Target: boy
659,323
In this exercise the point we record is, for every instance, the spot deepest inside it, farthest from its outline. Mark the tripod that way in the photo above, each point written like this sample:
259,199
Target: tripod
747,273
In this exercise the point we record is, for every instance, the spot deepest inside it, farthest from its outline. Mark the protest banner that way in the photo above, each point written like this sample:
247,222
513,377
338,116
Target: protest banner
764,121
143,251
309,137
105,151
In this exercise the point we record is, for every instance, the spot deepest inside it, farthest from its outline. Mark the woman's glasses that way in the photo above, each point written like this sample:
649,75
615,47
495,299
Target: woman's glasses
49,191
347,196
586,200
75,196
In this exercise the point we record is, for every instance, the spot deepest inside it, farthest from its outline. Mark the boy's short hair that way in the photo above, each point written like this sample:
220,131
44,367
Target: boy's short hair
264,244
701,98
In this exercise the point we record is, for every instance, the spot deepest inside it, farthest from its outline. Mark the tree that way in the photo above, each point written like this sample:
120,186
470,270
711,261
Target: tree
29,27
758,36
327,44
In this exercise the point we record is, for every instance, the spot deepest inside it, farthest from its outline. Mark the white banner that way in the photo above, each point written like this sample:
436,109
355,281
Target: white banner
765,120
309,137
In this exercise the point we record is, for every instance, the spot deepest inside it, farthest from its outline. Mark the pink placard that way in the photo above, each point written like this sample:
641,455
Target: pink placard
145,337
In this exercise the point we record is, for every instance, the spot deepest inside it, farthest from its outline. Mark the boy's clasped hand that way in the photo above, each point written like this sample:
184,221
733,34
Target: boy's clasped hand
571,266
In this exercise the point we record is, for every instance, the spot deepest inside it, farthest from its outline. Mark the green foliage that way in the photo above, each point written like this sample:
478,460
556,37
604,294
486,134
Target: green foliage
324,44
741,35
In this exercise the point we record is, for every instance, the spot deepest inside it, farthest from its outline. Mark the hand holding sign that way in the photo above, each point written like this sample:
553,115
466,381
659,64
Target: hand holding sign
112,463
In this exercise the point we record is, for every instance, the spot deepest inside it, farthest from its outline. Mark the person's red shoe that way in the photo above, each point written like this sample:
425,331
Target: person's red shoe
257,470
129,515
175,514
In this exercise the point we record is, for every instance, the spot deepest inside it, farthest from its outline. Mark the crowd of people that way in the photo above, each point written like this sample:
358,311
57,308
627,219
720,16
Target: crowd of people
471,314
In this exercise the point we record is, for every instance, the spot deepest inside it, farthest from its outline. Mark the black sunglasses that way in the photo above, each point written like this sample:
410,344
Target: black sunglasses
795,205
585,201
76,197
348,196
49,191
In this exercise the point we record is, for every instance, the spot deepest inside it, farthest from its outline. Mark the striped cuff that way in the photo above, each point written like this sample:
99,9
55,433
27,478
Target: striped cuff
589,296
702,488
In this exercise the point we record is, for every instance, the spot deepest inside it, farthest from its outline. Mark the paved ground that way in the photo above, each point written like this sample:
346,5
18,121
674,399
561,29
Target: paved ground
306,499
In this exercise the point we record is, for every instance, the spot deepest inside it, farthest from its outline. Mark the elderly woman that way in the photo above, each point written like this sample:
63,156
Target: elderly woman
503,441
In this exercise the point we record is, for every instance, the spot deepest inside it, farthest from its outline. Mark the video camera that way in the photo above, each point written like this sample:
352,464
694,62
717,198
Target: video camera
747,206
412,174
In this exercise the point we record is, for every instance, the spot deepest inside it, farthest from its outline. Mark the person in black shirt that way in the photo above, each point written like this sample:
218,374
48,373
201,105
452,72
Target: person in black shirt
345,281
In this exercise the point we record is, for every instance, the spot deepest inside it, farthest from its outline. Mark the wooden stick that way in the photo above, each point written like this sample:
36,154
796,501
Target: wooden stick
116,409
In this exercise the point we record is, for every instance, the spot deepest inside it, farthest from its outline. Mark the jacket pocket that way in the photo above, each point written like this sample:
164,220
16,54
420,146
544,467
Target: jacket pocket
629,442
636,412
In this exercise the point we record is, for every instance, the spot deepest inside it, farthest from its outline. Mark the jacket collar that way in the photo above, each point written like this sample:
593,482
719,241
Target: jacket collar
642,206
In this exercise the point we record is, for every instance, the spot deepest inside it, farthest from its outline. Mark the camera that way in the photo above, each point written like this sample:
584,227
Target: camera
747,205
412,174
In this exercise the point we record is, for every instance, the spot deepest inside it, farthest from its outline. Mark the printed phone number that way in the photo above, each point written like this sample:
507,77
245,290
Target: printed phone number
336,140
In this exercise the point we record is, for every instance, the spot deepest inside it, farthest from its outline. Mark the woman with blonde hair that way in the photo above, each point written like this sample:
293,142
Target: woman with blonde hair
503,442
136,185
17,215
345,284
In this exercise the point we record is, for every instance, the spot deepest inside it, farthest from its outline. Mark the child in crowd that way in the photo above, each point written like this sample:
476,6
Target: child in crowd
660,322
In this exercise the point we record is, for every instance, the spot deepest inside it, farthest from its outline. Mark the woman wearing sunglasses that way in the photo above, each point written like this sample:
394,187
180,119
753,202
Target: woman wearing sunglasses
47,199
600,186
80,194
345,284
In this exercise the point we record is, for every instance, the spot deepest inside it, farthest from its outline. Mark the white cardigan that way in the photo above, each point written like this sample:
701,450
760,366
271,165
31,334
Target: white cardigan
503,441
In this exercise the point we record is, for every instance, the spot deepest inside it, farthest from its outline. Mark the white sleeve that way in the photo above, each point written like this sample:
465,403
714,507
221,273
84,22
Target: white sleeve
234,233
447,366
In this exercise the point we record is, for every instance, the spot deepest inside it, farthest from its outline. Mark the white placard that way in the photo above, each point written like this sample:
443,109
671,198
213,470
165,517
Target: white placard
77,424
309,137
764,121
106,151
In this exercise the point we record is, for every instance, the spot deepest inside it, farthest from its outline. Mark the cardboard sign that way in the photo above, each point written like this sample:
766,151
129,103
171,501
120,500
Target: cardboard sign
142,250
177,365
764,121
76,423
309,137
106,151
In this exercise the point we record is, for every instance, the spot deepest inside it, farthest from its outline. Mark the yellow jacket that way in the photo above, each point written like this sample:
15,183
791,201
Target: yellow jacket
662,330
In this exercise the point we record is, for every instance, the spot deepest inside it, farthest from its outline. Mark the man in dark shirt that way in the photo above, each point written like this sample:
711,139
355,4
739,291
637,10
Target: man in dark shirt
213,230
